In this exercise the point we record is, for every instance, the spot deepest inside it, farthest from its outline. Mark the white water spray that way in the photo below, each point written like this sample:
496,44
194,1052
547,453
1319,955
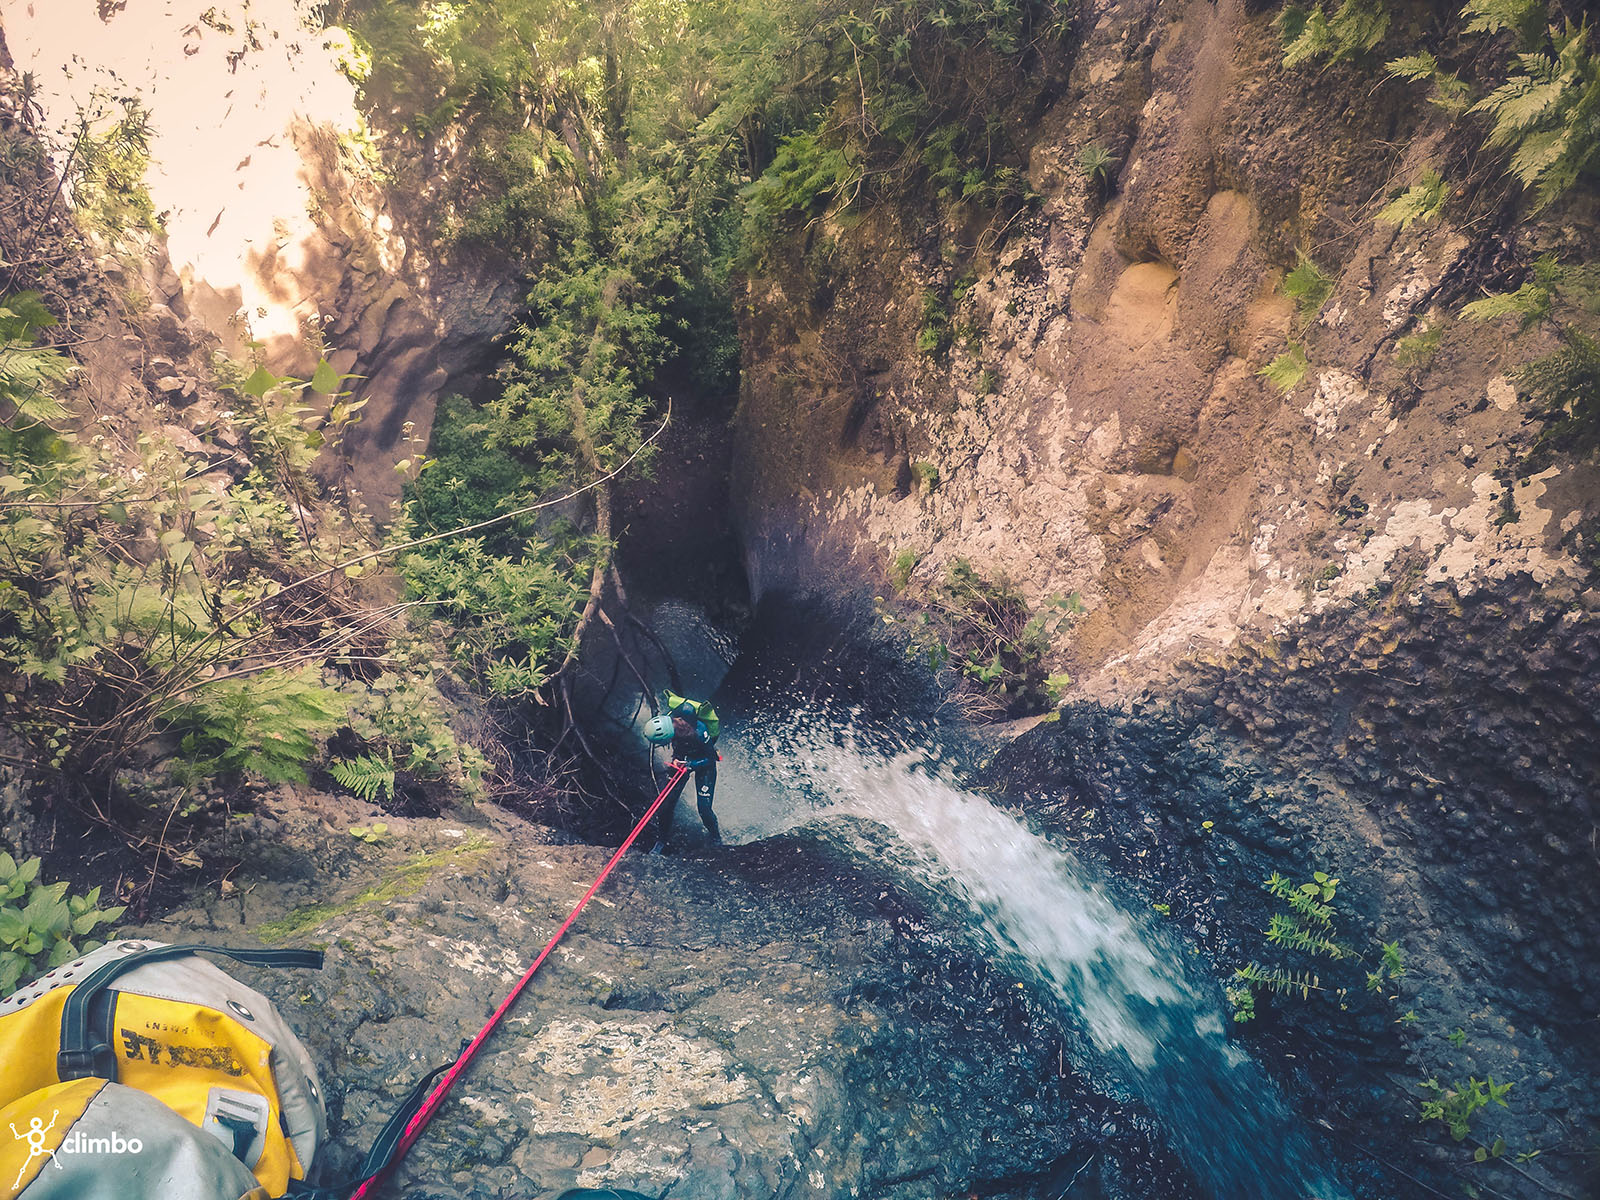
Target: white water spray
1046,919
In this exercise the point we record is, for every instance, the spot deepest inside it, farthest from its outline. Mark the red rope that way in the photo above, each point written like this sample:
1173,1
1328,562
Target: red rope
436,1097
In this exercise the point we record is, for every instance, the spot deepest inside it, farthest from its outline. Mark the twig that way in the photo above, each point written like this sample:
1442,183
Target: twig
161,844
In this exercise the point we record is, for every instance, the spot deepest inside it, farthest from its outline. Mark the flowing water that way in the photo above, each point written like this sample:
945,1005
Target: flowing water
1117,977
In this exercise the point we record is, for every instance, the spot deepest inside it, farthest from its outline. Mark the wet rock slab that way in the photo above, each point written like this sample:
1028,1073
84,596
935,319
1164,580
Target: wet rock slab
766,1020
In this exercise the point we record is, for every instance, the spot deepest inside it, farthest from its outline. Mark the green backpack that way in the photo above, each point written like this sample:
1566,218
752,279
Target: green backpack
702,711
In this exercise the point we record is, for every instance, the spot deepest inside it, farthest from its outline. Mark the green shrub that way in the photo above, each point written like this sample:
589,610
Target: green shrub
264,725
984,629
806,178
41,926
511,620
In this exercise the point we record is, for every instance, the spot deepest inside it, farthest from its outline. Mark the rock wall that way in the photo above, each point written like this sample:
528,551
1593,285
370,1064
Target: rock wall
1334,577
1103,429
277,225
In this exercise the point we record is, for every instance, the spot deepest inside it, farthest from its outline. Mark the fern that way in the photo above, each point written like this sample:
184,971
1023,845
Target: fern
1279,981
29,373
1421,202
1548,115
1307,286
1416,351
1414,67
265,725
366,775
1288,369
1524,17
1355,27
1564,388
1530,303
1450,92
1574,284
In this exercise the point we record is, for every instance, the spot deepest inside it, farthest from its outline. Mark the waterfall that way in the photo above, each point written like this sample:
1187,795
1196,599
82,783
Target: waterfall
1116,976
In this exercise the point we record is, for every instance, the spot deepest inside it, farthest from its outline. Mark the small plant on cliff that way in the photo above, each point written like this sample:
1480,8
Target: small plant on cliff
1308,286
1353,28
900,569
1098,165
1455,1104
1422,201
1563,386
984,629
1305,927
934,338
1288,369
1552,289
1416,351
41,926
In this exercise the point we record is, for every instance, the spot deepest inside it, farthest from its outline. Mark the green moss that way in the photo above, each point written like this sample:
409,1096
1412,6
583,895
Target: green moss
405,880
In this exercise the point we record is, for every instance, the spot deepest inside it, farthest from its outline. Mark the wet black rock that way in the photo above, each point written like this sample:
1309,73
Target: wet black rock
769,1020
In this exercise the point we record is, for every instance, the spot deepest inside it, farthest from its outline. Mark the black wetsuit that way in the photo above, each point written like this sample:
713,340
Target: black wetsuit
698,751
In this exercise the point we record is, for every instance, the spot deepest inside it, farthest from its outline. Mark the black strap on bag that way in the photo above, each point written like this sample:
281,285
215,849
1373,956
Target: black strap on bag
86,1051
383,1148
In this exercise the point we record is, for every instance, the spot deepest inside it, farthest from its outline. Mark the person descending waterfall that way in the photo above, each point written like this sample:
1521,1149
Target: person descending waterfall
691,727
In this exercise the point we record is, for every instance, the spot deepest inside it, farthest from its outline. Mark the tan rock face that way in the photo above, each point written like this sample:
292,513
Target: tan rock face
276,229
1106,430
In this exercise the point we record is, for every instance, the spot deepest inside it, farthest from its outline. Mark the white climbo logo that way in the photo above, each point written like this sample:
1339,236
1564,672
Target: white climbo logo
35,1136
75,1143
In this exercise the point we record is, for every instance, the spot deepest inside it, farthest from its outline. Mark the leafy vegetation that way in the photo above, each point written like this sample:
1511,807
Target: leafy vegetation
264,726
208,629
367,775
1098,165
1422,201
1352,29
105,170
1541,109
41,926
1308,286
1546,112
983,629
1563,387
1288,369
1455,1104
1303,928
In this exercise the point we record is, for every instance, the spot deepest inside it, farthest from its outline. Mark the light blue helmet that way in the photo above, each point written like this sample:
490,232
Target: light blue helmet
659,729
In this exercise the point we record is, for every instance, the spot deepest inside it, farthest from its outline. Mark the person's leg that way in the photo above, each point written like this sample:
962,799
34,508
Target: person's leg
668,810
705,789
